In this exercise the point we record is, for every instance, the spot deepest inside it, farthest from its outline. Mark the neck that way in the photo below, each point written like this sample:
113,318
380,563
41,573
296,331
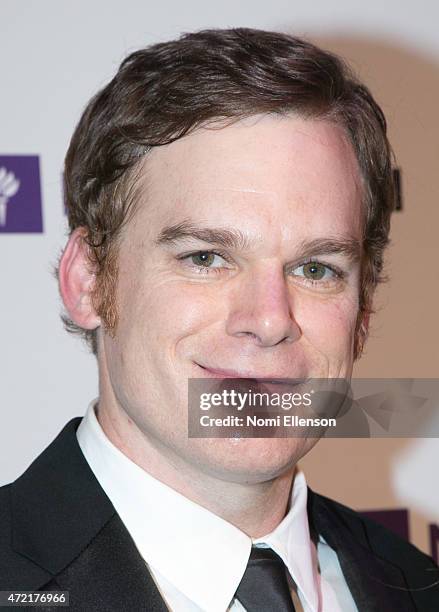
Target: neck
256,508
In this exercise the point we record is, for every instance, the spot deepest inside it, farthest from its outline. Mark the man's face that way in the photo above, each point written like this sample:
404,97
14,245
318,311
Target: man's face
242,260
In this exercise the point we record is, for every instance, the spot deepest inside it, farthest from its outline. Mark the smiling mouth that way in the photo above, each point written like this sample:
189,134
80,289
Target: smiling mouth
252,376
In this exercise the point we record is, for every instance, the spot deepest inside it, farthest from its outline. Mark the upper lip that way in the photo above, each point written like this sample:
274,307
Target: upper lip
226,373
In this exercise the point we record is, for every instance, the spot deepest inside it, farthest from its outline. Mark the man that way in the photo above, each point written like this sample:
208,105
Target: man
229,197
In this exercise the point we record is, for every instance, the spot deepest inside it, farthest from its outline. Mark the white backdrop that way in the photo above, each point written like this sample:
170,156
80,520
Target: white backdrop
56,54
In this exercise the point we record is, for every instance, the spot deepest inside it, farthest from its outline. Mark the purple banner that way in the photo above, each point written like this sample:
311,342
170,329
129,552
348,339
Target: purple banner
395,520
20,194
434,542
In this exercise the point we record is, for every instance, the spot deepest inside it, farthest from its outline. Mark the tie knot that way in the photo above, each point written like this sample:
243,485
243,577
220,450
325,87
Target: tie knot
264,586
264,555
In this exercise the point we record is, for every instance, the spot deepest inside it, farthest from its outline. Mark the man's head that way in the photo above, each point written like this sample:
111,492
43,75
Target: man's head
229,197
168,90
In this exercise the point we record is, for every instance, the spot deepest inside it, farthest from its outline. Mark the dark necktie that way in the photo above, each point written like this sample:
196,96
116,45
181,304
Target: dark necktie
264,586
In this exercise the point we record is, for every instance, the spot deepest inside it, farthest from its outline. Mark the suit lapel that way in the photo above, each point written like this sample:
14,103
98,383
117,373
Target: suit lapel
66,528
375,583
110,575
57,505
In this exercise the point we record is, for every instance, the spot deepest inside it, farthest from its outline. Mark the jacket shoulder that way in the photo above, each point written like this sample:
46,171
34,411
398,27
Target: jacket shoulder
5,519
420,569
44,521
12,565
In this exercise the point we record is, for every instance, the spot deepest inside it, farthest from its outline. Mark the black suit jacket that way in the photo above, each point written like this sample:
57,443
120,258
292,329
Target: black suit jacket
59,531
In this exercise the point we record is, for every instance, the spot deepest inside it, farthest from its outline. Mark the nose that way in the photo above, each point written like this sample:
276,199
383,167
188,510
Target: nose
262,309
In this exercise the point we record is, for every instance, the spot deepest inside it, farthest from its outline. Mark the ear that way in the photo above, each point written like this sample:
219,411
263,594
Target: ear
77,280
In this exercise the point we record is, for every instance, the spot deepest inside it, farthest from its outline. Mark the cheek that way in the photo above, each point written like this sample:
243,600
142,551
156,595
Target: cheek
165,312
329,324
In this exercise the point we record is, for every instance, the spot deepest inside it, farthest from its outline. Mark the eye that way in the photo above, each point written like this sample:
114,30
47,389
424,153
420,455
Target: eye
205,261
316,272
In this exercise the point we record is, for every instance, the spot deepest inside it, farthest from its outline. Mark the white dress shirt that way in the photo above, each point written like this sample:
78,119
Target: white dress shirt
196,558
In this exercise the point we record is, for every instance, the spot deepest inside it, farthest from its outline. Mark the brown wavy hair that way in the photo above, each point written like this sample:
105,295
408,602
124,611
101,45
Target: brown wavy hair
169,89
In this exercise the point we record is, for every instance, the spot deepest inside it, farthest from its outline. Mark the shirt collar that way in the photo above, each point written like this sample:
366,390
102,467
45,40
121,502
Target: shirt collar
189,545
292,542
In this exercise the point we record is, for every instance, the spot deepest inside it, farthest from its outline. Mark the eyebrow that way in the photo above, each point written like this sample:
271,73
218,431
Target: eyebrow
232,238
228,238
349,247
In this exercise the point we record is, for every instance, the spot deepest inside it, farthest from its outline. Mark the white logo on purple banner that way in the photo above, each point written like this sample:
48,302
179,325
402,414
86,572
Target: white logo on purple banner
20,194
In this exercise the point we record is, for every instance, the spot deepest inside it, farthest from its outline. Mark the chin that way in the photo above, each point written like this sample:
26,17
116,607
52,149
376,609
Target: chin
250,460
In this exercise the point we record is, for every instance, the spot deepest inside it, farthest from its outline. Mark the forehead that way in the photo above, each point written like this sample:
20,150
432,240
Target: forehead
286,173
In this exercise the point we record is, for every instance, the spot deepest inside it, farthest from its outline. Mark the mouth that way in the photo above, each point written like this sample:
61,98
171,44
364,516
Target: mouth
269,378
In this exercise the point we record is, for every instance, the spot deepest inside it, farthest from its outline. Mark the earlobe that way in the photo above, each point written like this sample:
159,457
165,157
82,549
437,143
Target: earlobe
77,281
